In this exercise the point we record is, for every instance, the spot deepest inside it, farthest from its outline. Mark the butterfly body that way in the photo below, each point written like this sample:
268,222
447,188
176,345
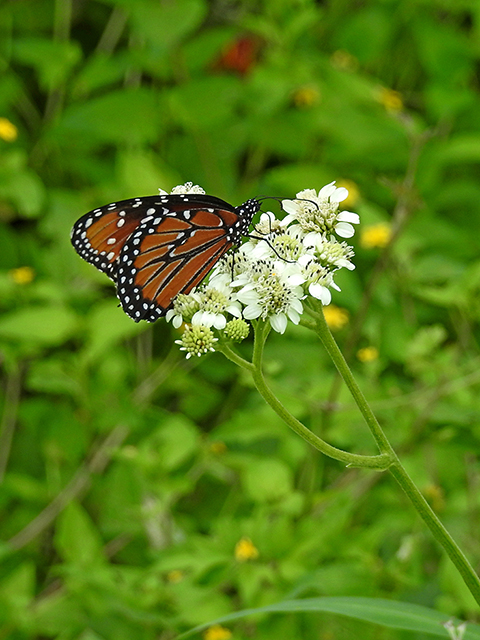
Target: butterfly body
156,247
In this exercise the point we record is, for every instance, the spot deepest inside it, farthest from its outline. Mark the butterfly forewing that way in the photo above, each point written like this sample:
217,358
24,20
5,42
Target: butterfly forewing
99,236
159,246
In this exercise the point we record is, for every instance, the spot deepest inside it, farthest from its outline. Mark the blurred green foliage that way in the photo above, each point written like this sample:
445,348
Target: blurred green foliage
128,474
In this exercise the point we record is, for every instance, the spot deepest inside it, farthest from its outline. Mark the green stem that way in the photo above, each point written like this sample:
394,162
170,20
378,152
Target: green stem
439,532
334,352
397,470
379,462
229,353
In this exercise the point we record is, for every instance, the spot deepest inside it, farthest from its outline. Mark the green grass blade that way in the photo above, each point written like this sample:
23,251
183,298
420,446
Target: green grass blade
388,613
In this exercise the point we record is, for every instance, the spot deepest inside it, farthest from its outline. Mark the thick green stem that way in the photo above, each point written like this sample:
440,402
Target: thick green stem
334,352
234,357
456,555
424,510
379,462
388,459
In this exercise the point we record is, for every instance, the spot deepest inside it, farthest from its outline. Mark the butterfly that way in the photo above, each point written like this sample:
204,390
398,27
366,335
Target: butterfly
155,247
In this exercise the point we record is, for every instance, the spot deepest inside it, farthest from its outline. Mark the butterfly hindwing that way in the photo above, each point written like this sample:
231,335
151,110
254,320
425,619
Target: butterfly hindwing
168,256
99,236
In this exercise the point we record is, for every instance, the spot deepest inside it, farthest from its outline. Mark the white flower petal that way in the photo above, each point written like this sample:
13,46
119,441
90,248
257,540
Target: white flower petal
348,216
290,206
278,322
252,311
339,195
308,194
248,298
320,292
344,230
198,318
219,322
287,219
343,262
326,191
267,217
293,316
312,238
296,305
296,279
221,281
261,251
305,259
235,309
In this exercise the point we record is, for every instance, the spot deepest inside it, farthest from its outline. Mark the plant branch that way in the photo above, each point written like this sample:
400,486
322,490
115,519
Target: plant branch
397,470
378,462
8,421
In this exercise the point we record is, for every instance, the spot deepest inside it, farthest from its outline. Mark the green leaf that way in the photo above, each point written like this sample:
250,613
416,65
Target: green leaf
52,59
77,539
19,586
101,70
128,115
461,148
396,615
163,24
107,325
193,106
425,342
43,326
143,172
267,480
20,185
51,376
179,440
17,591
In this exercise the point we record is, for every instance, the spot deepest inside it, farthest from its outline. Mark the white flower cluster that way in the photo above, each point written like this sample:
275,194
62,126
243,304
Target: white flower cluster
282,263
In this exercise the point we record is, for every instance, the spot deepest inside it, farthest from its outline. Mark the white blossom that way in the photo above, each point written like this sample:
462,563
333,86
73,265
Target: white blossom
282,263
319,213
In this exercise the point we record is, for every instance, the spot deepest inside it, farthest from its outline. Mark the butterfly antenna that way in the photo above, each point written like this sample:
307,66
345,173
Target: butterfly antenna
279,199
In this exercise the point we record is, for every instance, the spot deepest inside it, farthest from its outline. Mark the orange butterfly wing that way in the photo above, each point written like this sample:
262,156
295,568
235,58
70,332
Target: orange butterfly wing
156,247
160,261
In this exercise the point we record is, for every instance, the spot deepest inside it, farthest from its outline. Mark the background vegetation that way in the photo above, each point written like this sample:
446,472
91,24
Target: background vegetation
143,494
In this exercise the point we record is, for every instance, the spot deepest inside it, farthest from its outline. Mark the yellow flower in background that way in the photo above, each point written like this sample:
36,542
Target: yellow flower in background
335,317
306,97
245,550
217,632
344,60
391,100
367,354
8,131
22,275
353,193
218,447
175,576
375,235
435,496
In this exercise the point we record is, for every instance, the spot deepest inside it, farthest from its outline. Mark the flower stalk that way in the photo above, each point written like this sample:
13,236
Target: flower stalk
378,462
396,468
386,460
